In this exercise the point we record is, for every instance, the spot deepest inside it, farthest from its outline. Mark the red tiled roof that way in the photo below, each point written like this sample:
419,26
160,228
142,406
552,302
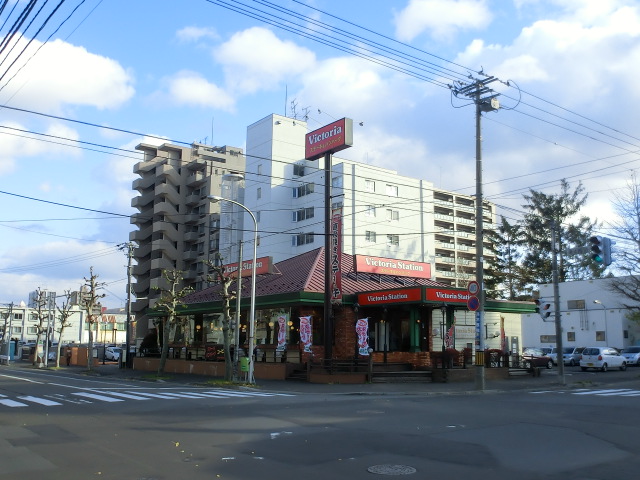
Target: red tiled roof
305,273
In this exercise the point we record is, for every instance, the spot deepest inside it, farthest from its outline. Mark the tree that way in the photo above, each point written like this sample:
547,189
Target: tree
42,314
91,303
64,313
503,279
627,250
559,211
171,298
225,282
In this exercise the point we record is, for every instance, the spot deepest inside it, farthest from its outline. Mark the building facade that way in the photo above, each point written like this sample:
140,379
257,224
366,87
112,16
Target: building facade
384,214
591,315
177,227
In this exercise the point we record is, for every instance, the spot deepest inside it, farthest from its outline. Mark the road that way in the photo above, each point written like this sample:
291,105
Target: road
76,427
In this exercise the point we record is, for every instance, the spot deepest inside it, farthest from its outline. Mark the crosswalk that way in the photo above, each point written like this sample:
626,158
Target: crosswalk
609,392
112,396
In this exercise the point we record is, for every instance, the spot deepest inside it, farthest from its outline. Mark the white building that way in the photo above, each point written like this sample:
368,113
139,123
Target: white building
21,323
384,214
591,316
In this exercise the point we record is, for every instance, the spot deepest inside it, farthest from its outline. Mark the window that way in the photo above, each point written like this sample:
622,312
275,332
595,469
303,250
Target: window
393,240
16,330
336,182
260,169
259,193
370,237
302,214
600,336
298,169
335,205
370,186
17,316
571,336
370,211
257,215
32,330
302,239
302,190
393,215
392,190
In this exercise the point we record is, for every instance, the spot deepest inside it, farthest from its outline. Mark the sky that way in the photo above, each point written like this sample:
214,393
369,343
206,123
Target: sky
78,94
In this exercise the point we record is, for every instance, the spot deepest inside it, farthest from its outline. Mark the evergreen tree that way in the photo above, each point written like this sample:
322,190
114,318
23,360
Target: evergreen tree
502,277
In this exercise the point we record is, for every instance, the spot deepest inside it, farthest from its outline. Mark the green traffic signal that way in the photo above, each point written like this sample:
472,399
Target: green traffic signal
597,249
601,250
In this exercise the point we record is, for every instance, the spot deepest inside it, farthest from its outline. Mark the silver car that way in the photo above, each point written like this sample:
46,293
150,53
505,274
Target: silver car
602,358
632,355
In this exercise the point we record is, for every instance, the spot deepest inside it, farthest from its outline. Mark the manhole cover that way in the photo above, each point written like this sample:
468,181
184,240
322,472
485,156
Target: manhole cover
391,469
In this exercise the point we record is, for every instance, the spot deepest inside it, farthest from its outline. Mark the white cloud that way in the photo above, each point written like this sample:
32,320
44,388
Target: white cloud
62,73
442,19
256,59
191,88
193,34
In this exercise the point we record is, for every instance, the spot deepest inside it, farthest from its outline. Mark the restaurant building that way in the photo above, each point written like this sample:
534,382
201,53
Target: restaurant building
392,313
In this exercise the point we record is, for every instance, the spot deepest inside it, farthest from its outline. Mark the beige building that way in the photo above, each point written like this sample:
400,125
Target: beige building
177,227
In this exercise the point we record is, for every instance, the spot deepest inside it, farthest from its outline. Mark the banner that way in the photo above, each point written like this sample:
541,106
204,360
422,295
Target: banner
306,333
362,331
336,256
282,320
450,337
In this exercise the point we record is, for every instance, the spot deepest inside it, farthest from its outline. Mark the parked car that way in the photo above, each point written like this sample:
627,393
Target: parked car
112,353
602,358
570,355
546,350
535,357
632,355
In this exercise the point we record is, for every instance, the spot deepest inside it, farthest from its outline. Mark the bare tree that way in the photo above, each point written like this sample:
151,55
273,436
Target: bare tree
626,253
169,303
64,313
42,315
225,280
91,303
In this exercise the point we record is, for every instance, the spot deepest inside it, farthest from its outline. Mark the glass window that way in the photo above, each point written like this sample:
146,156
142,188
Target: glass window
393,240
370,185
259,193
370,211
393,215
600,336
370,236
392,190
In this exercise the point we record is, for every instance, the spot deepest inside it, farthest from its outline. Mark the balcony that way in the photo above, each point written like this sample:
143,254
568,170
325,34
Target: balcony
165,208
465,221
193,199
196,179
446,218
161,264
168,192
168,172
144,182
144,167
141,236
141,201
191,237
447,245
192,218
190,256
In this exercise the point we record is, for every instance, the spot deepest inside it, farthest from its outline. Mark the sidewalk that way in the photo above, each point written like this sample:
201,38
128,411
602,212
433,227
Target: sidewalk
548,380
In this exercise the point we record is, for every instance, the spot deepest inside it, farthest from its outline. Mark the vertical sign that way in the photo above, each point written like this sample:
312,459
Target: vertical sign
336,256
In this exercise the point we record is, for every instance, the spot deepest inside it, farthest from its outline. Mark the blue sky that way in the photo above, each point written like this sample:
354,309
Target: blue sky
196,71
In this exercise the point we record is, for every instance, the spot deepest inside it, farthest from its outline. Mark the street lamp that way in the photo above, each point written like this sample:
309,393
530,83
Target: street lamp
598,302
443,309
252,311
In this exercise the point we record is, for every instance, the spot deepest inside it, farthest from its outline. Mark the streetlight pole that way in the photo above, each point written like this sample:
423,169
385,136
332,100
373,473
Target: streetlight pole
252,308
604,309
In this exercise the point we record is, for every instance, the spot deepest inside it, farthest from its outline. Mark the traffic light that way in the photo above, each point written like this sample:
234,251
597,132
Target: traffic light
597,249
543,308
601,250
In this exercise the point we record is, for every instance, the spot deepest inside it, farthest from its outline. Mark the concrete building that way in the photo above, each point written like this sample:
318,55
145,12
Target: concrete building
384,214
177,227
591,316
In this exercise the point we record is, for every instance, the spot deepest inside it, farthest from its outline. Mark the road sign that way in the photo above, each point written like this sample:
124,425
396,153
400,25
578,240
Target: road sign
473,303
473,287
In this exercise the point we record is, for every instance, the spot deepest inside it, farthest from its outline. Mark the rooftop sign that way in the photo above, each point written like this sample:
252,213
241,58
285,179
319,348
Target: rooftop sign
329,139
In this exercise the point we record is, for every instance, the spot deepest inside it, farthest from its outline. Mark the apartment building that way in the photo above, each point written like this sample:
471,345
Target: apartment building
177,227
384,214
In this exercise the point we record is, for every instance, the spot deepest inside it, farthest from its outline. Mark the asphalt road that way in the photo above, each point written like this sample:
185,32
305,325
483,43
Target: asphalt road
80,427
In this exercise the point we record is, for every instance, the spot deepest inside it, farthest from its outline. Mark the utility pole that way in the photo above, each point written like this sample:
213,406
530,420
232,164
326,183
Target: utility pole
485,100
129,252
556,301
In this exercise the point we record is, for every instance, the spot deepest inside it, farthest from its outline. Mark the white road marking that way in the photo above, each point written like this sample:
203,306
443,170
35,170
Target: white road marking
41,401
95,396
